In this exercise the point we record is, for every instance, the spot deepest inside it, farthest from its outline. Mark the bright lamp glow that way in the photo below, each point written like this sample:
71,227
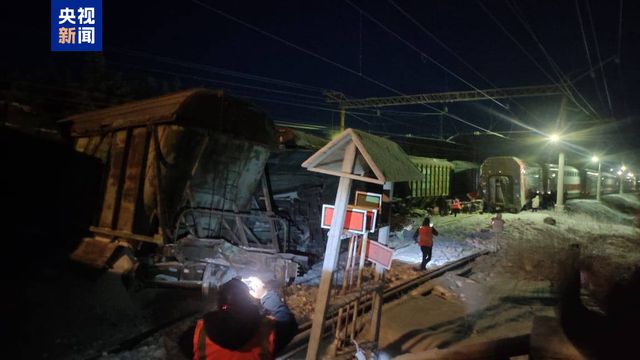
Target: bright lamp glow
254,285
595,158
623,168
619,172
554,138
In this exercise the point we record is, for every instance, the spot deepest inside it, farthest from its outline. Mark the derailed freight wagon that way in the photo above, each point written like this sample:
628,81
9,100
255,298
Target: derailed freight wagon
181,174
508,182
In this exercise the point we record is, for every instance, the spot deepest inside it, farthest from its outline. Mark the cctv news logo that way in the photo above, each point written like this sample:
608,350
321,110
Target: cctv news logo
76,25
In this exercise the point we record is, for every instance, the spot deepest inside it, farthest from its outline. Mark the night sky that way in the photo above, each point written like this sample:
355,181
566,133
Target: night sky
296,50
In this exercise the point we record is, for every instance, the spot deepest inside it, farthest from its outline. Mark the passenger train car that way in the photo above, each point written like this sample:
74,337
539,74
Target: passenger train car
508,183
572,181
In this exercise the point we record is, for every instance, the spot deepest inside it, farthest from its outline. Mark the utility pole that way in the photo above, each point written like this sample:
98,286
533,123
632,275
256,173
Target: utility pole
621,182
599,180
342,114
562,115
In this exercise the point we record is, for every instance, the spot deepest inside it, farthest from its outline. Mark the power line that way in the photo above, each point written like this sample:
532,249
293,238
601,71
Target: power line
439,42
497,22
227,72
561,85
452,52
370,17
554,65
361,119
595,39
195,77
620,31
586,49
338,65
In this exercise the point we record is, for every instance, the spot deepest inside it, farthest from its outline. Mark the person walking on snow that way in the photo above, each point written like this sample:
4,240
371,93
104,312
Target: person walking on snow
424,237
455,207
535,203
497,224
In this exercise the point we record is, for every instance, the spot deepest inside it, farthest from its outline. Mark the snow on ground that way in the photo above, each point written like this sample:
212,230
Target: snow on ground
502,292
525,259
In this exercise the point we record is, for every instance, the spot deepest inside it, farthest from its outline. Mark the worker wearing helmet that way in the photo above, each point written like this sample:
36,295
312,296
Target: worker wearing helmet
250,323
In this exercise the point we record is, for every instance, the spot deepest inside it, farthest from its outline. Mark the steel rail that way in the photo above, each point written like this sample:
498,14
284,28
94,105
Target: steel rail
300,341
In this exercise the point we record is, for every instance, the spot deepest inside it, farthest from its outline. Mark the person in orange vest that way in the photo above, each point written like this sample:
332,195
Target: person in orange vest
455,207
424,237
248,324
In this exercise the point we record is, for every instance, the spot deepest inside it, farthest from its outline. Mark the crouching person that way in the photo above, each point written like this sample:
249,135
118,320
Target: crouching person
248,324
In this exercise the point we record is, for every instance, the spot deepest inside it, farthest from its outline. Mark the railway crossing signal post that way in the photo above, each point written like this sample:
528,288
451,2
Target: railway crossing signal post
353,155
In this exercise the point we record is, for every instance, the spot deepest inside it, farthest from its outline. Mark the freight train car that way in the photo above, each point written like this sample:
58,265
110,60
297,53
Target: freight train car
507,182
182,171
465,179
436,177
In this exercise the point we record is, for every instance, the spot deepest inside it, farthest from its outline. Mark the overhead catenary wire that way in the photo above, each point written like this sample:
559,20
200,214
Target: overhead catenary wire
452,52
597,46
554,65
620,30
422,54
201,78
231,83
222,71
527,53
587,50
621,78
329,61
440,42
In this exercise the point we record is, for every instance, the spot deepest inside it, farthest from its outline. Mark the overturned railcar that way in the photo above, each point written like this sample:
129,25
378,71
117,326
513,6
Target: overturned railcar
507,182
182,172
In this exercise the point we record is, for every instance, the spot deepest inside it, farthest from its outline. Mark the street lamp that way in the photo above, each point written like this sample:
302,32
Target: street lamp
596,159
555,138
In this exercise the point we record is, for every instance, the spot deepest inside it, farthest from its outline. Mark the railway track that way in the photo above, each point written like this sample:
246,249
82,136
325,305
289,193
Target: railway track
300,341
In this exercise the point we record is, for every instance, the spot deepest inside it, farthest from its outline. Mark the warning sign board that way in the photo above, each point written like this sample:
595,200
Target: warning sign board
359,221
379,254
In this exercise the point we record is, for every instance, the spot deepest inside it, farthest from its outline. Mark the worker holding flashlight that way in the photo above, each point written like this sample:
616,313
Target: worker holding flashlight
251,322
